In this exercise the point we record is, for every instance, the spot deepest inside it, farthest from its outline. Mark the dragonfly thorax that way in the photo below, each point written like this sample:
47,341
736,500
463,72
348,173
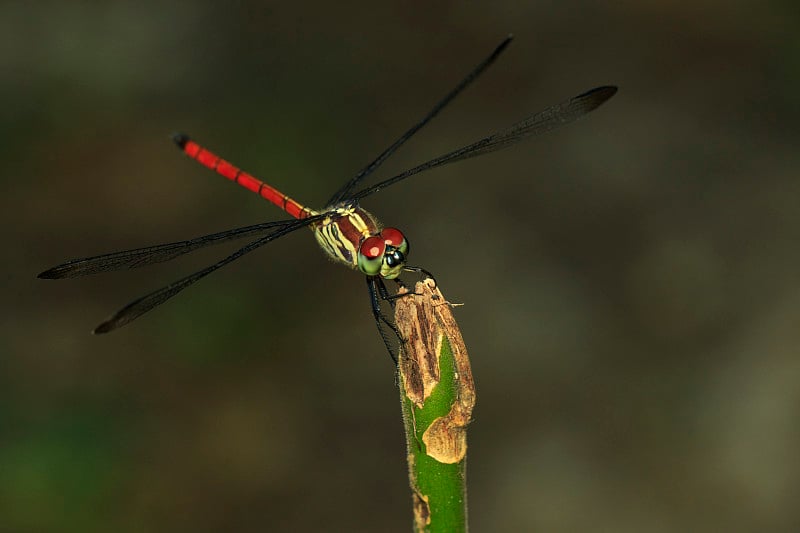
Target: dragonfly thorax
353,236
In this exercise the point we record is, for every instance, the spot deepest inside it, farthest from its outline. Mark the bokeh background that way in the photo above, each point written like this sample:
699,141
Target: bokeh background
631,282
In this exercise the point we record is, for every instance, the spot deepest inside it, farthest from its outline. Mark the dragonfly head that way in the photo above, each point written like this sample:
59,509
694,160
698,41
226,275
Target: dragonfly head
383,254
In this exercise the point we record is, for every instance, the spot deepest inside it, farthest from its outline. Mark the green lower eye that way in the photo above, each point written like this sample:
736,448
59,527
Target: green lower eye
370,267
370,255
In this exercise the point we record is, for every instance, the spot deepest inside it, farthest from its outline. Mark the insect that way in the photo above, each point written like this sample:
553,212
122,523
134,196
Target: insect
346,232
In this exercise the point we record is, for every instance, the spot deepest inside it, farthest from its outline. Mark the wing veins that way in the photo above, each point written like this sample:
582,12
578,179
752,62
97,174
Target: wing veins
140,306
148,255
537,124
342,193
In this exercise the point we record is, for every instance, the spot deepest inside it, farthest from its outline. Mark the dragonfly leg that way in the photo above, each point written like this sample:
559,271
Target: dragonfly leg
384,292
392,297
420,271
378,292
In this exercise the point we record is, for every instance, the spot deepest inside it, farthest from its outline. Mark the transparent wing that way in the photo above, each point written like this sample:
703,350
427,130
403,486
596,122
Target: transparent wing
149,255
543,121
344,192
138,307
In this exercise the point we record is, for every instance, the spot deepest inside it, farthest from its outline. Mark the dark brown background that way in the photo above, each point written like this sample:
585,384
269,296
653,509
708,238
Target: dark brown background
631,285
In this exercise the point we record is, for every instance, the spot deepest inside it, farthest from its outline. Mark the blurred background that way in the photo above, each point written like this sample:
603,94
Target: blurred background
631,289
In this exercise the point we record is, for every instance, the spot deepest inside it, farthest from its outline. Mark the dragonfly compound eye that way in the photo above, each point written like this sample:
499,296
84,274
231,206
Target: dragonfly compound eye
370,255
394,237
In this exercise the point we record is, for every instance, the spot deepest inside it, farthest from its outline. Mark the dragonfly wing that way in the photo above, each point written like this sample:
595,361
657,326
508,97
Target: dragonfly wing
543,121
144,304
537,124
344,192
149,255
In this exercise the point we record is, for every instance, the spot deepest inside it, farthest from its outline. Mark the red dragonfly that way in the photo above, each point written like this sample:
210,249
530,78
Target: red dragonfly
346,233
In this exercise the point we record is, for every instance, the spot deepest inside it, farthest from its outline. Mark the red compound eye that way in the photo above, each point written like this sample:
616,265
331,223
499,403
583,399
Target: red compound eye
393,236
370,255
373,247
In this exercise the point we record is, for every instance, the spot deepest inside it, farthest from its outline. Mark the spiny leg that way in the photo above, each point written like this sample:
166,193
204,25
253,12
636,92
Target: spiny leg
378,292
419,270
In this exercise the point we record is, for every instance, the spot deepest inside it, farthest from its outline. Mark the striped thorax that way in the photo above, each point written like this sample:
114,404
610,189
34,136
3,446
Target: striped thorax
354,237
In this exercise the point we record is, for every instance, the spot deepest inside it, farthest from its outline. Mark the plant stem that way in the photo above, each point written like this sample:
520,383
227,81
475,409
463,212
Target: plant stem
437,394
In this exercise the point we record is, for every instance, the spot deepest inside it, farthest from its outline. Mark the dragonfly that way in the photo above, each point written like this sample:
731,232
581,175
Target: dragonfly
346,232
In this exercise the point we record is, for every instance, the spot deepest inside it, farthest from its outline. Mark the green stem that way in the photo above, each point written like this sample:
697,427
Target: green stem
437,394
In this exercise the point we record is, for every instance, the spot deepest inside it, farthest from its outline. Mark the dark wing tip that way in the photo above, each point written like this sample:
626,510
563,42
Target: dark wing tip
502,46
610,90
594,98
105,327
50,273
602,93
180,139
